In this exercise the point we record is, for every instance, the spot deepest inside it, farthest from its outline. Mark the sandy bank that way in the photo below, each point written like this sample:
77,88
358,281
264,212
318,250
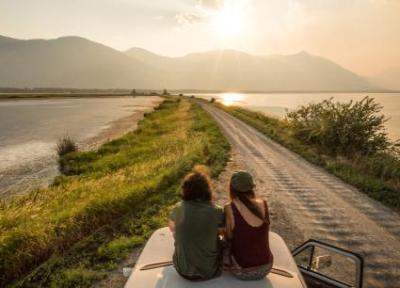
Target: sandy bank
19,180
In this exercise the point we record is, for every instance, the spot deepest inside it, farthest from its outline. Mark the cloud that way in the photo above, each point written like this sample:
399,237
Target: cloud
188,18
204,10
200,12
210,4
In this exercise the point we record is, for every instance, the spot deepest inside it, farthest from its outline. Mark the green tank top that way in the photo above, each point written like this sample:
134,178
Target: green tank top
196,238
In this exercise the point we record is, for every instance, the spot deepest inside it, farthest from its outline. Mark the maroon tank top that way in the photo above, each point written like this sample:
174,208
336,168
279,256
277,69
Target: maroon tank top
250,245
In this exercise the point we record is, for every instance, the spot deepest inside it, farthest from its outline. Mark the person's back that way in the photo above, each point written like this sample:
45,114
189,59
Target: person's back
249,242
195,222
196,234
247,221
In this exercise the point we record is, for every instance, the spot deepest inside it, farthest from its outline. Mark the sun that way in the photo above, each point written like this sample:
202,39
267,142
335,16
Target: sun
229,21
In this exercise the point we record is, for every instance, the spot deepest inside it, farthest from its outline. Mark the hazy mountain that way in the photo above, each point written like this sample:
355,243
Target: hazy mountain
389,78
6,39
75,62
149,57
234,70
68,62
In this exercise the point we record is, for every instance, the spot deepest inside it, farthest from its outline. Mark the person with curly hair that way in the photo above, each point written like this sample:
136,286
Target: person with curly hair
196,223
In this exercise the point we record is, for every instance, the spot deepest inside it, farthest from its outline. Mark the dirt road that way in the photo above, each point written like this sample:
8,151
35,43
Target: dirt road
311,203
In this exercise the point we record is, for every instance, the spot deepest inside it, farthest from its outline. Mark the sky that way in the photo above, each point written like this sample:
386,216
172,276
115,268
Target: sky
361,35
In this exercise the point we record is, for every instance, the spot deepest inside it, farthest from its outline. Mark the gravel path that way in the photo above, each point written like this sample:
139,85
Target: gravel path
307,202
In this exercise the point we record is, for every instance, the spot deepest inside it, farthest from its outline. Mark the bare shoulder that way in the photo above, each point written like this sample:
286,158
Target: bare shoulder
260,202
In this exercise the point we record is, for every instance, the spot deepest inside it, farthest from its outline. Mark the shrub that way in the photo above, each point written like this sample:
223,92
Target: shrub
341,128
377,174
66,145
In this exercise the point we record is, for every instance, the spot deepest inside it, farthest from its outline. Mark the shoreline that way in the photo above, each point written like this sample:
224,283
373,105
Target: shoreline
113,201
118,127
21,180
17,96
33,96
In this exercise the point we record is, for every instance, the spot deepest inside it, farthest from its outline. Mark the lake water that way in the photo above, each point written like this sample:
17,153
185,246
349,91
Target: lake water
277,103
30,128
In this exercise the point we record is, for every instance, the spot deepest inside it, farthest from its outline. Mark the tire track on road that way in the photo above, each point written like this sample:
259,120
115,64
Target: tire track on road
319,204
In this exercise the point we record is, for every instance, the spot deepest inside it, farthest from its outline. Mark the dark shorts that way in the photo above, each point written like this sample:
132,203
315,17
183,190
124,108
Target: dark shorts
253,273
191,278
198,277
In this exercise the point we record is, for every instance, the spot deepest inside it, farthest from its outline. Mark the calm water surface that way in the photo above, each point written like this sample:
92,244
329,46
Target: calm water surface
30,128
276,104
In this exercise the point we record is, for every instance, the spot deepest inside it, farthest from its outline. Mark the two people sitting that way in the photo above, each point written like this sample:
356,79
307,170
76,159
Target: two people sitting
206,236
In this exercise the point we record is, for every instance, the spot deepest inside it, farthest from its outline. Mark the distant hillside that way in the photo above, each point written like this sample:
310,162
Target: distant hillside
74,62
149,57
6,39
234,70
68,62
389,78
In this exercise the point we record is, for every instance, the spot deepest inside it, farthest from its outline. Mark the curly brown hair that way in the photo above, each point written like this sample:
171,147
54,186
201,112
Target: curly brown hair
197,185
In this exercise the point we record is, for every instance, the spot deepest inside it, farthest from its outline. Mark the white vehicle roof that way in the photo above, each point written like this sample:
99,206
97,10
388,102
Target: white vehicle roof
160,248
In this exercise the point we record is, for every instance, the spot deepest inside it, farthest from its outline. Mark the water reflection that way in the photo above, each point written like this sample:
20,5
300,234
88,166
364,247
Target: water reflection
30,128
277,103
230,99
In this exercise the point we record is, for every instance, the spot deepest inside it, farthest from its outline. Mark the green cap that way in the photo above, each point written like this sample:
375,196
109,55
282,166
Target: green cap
242,181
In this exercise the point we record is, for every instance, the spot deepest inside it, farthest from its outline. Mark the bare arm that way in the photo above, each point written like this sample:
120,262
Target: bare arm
171,226
229,222
222,231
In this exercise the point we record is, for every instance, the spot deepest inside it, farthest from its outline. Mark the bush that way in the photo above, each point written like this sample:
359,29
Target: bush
66,145
353,128
377,174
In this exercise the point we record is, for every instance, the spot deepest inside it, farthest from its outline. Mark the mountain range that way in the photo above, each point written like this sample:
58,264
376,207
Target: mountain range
75,62
389,78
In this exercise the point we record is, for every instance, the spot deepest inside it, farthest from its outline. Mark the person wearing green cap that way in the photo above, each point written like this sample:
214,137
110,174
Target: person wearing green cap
247,229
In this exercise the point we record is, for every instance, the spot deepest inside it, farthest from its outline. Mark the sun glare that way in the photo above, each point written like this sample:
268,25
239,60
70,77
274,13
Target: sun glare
229,99
229,21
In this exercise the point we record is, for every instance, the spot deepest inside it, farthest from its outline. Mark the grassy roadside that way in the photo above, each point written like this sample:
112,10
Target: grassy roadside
377,175
79,228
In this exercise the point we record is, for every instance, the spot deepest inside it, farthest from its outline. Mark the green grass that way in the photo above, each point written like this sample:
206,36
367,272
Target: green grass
378,176
112,199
